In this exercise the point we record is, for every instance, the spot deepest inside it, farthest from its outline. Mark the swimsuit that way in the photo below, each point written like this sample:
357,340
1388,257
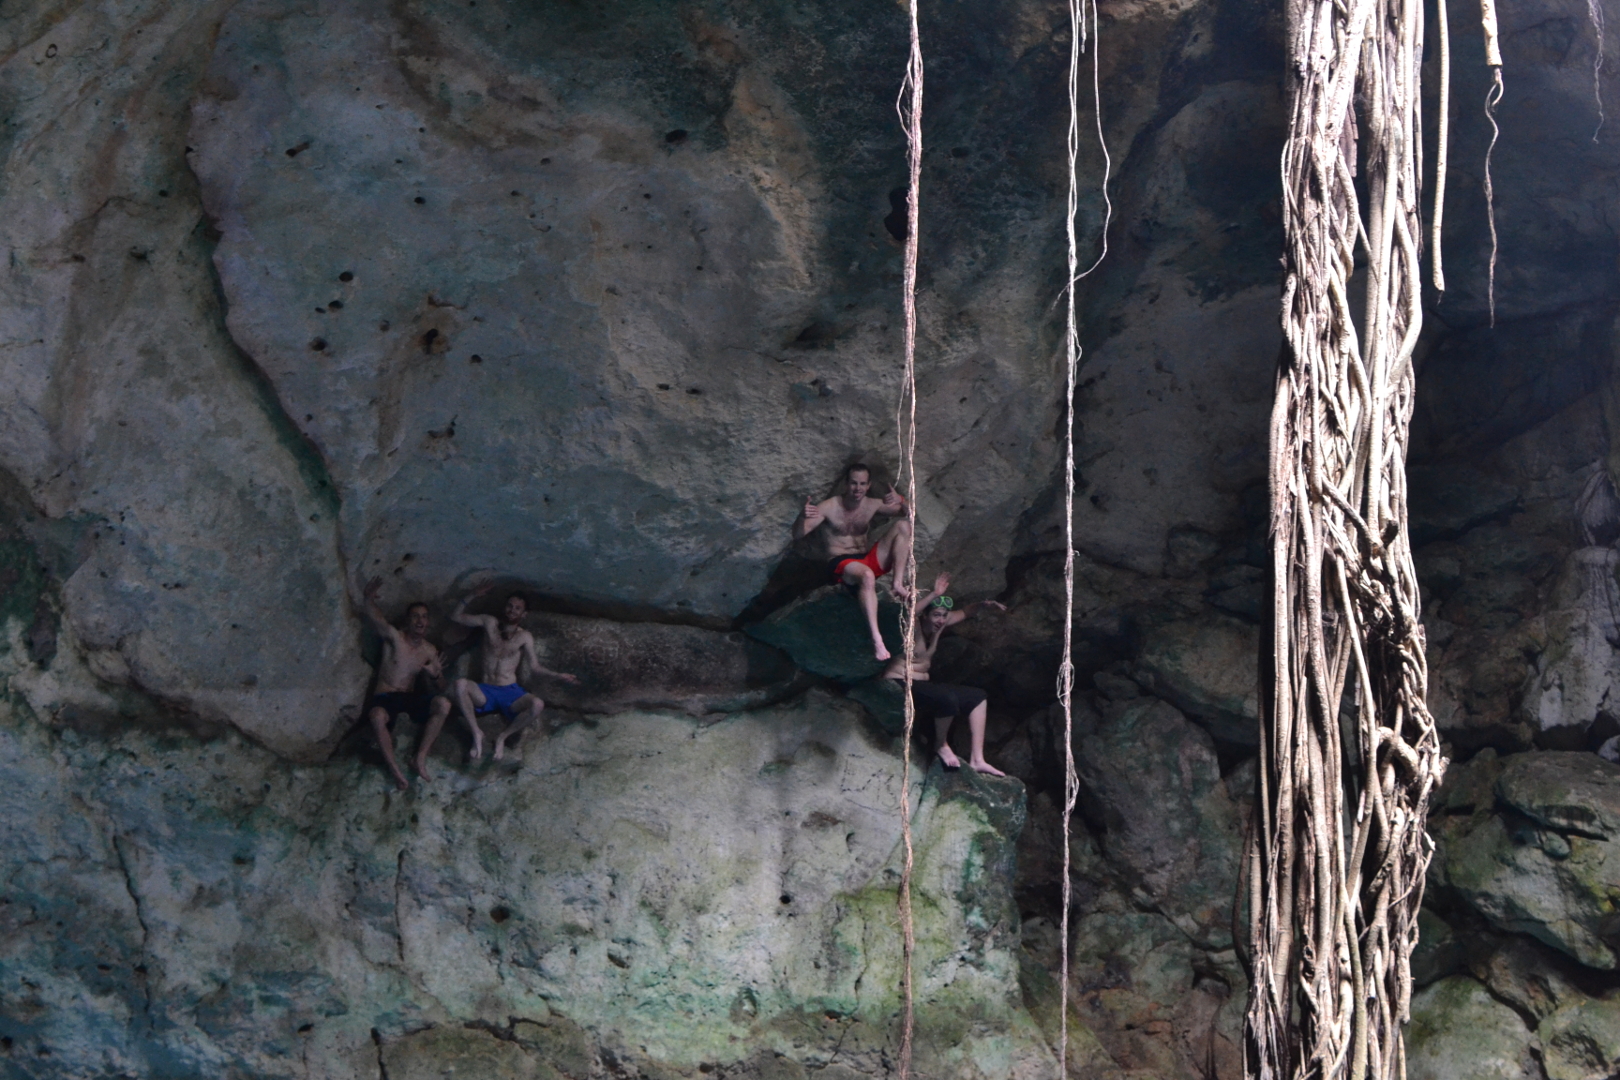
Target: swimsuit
500,698
394,702
941,700
870,560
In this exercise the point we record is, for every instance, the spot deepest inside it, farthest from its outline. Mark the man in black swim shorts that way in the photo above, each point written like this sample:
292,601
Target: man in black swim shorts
944,702
407,654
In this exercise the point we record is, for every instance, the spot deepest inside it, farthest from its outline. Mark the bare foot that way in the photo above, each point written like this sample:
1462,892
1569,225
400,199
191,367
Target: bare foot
985,767
880,650
500,748
400,781
422,769
477,752
948,756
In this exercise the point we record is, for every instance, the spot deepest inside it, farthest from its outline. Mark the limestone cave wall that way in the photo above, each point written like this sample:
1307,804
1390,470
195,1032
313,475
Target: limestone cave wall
585,300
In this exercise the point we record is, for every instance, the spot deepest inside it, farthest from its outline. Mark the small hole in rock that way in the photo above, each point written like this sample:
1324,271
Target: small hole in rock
163,194
545,161
693,390
428,339
335,305
676,136
305,1028
515,194
383,326
319,344
663,386
347,275
786,899
419,200
500,914
294,151
475,359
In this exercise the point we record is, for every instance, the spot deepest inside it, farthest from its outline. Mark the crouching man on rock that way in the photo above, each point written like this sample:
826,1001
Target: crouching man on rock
847,519
507,647
407,656
943,701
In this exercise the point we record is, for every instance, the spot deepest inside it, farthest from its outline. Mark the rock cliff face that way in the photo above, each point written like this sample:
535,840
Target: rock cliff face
585,300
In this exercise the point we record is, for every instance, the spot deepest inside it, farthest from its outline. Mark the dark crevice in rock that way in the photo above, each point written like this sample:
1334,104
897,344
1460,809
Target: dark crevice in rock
311,464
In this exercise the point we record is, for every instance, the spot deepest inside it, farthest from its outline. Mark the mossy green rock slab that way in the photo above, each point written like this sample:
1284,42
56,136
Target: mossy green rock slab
643,894
1205,667
885,699
1581,1041
1547,863
1459,1032
1575,793
825,633
1151,779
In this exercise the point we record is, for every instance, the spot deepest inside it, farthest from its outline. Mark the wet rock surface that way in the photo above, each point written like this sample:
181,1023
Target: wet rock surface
1540,858
1458,1030
638,889
588,301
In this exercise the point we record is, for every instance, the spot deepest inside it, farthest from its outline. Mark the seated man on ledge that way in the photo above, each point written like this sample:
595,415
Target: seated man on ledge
506,648
942,701
406,655
854,564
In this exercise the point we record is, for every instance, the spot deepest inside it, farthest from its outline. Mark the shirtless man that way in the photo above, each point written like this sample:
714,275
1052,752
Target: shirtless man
943,701
406,655
507,648
848,518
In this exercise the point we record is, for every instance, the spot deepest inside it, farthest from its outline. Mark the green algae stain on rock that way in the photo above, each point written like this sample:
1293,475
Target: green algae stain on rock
825,633
643,889
25,600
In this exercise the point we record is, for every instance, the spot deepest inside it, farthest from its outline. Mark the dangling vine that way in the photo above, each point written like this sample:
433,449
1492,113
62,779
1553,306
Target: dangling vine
1493,97
909,105
1071,347
1349,752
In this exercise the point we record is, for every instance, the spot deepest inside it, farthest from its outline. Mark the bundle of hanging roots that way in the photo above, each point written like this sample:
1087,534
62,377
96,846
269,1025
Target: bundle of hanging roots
1349,753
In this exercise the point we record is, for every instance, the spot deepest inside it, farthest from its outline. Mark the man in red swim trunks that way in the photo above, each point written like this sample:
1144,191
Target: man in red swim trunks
854,561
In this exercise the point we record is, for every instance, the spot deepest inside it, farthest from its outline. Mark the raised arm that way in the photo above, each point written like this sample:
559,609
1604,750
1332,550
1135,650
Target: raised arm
961,614
808,521
486,623
892,503
942,585
368,607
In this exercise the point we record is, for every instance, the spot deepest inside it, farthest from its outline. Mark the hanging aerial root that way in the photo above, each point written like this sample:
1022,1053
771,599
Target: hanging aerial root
1493,97
909,106
1348,751
1442,141
1078,10
1594,13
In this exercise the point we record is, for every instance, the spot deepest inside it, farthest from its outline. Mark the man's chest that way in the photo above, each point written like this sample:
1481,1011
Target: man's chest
850,522
497,647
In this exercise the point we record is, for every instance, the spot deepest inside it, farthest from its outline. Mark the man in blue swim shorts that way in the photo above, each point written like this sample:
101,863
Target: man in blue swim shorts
507,648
